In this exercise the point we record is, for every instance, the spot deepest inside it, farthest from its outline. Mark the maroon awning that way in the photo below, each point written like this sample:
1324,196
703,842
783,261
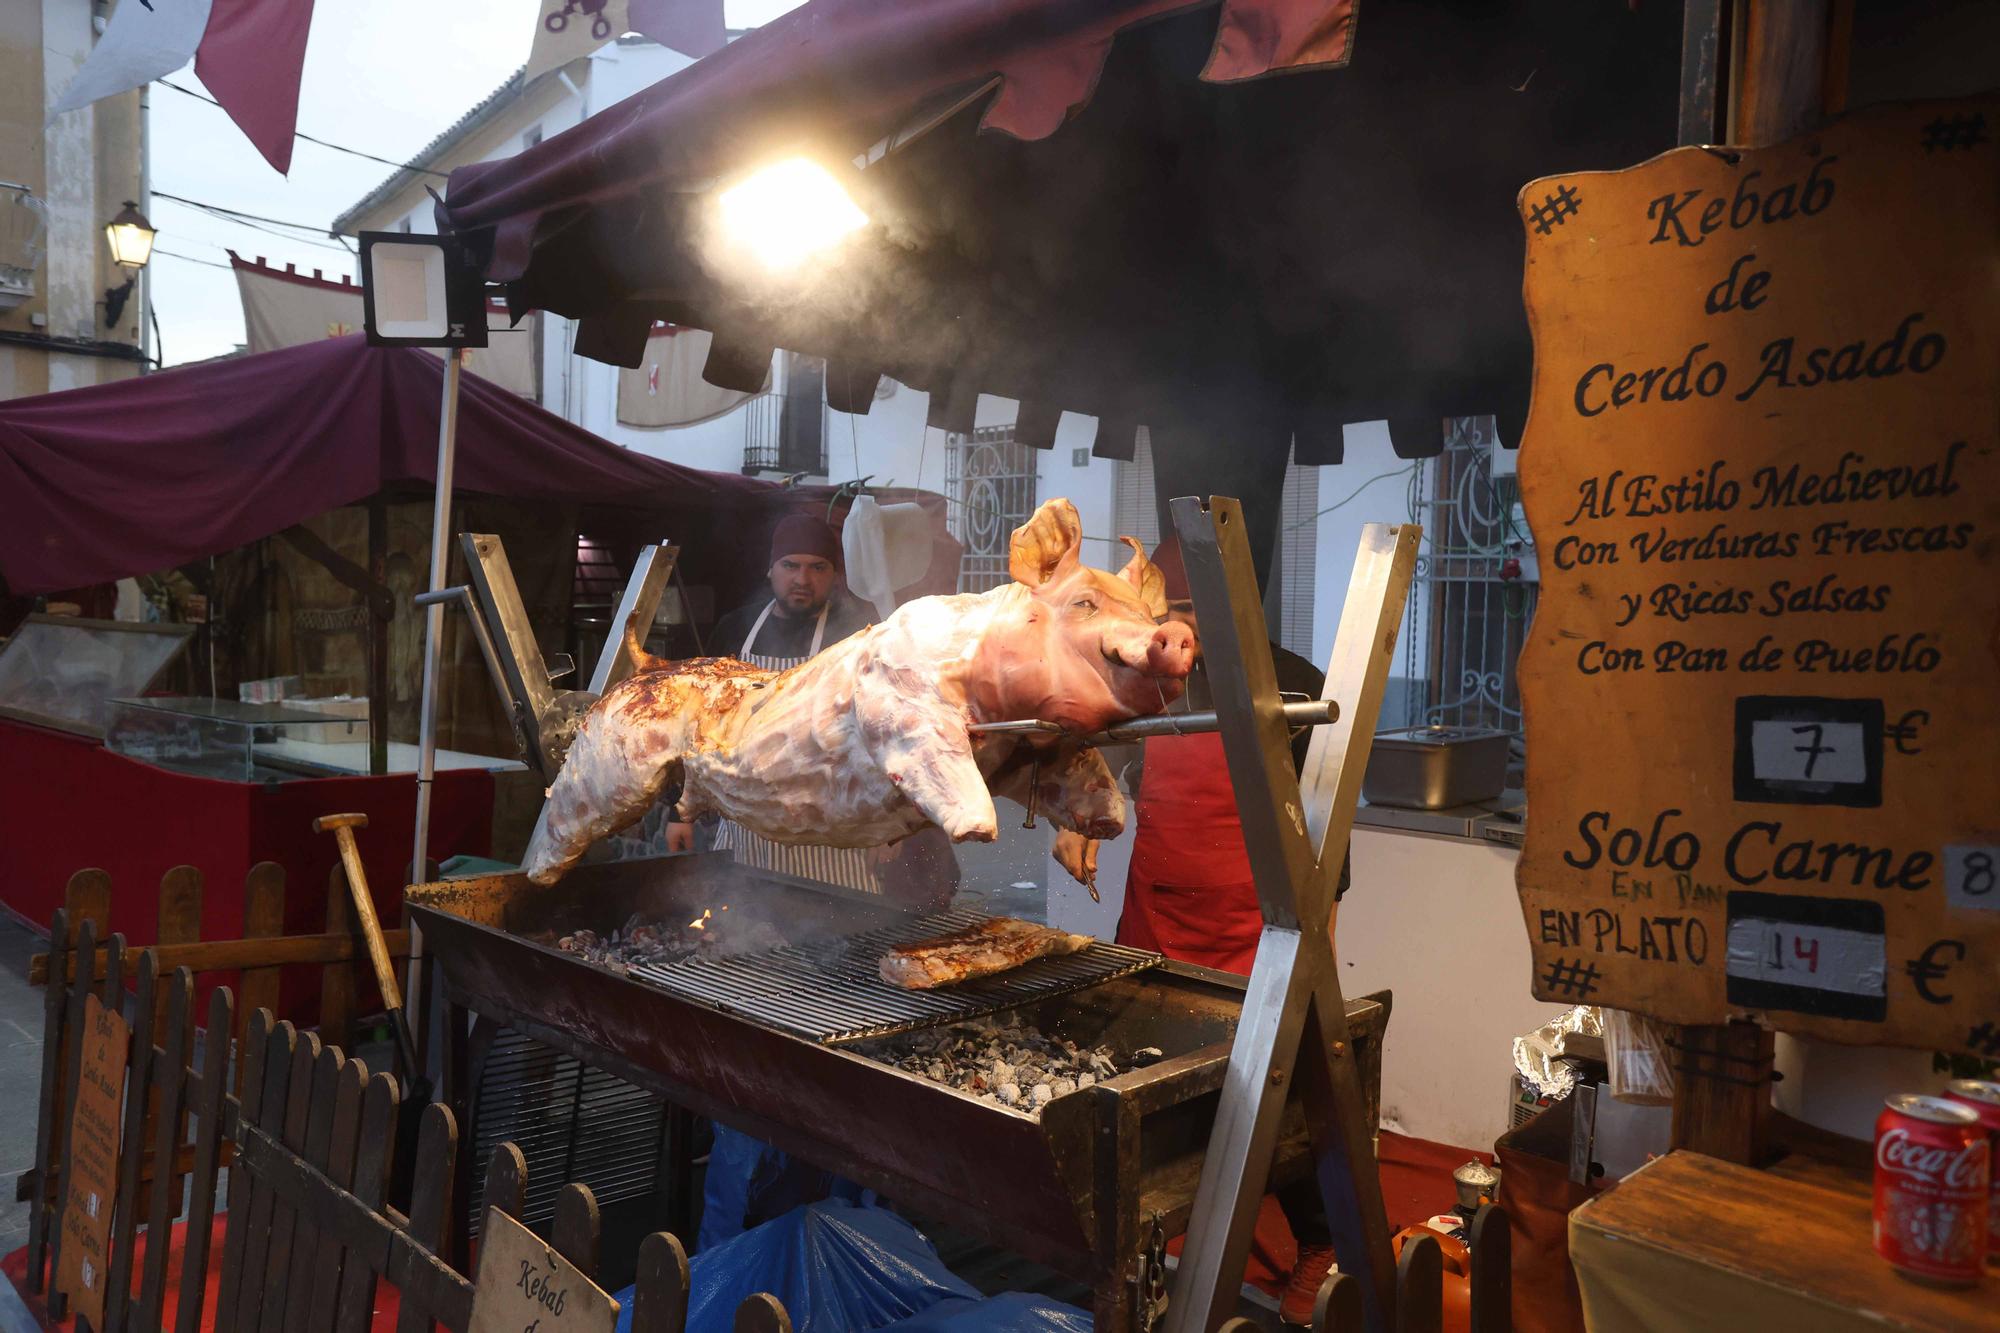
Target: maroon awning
1100,208
147,474
840,74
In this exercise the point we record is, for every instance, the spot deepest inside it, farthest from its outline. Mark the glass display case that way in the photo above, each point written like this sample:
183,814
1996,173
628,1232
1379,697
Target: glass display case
237,742
64,671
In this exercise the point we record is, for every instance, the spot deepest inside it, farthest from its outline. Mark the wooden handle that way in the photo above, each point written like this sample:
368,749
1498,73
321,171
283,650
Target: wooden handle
327,822
364,906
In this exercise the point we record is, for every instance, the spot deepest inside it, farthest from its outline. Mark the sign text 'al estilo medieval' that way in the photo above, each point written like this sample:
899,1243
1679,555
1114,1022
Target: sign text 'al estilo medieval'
1762,687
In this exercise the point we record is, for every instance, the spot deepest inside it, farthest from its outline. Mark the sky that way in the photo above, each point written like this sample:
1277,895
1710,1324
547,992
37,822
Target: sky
382,76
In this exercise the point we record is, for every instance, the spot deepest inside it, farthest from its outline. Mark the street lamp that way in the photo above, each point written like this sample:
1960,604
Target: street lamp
130,236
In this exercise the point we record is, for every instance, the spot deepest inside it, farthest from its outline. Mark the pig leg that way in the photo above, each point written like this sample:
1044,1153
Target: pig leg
611,777
1078,855
919,741
1072,786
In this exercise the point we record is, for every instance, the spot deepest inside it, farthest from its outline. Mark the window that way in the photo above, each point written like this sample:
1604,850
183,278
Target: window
786,431
991,480
1470,604
530,137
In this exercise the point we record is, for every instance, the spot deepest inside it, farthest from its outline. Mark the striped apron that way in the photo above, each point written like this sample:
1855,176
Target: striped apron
847,866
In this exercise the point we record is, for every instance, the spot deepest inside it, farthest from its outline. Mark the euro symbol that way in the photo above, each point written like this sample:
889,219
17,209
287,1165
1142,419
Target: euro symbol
1905,729
1923,971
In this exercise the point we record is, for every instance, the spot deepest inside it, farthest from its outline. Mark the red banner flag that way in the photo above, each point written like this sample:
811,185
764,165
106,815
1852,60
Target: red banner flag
250,58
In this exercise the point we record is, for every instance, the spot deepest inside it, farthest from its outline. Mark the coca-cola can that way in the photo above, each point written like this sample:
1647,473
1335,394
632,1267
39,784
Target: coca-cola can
1932,1176
1984,1099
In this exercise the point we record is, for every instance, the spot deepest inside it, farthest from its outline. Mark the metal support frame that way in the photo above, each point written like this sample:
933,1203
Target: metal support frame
1294,1023
545,718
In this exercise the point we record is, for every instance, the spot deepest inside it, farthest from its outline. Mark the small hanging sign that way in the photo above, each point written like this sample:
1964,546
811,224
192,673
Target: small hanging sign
90,1166
526,1287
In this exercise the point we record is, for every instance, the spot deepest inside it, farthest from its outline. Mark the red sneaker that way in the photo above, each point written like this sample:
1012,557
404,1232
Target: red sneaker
1295,1306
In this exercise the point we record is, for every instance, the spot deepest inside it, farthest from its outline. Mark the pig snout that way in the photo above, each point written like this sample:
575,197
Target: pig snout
1168,651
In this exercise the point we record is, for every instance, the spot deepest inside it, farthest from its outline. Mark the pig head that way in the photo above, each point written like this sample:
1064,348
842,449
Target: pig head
1063,643
1075,645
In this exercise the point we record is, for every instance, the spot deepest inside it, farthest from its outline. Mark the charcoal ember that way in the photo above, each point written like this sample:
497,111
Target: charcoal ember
647,942
999,1060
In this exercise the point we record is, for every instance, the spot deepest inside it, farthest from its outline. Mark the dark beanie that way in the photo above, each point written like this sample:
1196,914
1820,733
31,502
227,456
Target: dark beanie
1167,559
802,534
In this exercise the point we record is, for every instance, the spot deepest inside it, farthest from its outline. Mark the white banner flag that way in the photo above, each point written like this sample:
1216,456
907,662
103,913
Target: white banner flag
145,40
566,29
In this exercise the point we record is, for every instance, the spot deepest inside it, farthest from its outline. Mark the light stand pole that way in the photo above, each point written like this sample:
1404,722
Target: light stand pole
454,360
426,291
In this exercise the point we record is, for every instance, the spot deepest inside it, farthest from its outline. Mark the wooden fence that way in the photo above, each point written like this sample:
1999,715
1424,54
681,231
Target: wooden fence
308,1235
258,961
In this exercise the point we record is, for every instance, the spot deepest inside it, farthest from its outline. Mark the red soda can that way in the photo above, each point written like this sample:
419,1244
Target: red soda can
1984,1099
1932,1176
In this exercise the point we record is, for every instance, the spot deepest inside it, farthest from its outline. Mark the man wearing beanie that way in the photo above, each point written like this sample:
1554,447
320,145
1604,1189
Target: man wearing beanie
800,612
801,609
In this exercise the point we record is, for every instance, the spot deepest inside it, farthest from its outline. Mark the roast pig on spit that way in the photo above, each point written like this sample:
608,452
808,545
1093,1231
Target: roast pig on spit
868,742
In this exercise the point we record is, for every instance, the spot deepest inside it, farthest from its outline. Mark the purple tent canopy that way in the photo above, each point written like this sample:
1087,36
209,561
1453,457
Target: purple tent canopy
147,474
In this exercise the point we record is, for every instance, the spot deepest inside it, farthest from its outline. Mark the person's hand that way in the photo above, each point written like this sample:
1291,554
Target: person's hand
1078,855
680,837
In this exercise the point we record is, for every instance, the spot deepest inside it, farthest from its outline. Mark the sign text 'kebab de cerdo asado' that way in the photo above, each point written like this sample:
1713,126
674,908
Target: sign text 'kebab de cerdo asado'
1762,688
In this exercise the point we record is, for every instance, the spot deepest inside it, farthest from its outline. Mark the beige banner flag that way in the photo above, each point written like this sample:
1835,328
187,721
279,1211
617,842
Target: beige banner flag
568,29
667,389
283,308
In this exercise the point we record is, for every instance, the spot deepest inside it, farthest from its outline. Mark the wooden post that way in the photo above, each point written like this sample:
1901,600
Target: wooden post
263,918
86,981
48,1124
1722,1098
210,1106
371,1186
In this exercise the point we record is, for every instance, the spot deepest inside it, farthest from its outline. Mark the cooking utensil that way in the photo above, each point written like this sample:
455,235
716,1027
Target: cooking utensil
417,1089
1433,768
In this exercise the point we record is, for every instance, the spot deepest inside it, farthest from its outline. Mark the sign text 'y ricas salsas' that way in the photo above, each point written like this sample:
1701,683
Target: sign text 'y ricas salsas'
1762,687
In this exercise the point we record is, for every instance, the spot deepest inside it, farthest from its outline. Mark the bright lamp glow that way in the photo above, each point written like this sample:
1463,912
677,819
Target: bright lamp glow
130,237
788,211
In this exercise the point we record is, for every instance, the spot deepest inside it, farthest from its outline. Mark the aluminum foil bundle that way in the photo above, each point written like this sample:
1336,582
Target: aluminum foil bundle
1539,1054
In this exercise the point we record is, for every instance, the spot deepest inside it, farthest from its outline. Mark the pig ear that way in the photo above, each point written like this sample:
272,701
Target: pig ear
1144,575
1045,544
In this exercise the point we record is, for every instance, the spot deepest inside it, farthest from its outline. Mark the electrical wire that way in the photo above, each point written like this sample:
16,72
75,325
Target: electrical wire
323,143
189,258
255,223
1351,495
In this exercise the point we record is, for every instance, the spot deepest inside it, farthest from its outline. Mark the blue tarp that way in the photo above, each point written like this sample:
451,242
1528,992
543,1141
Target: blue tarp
1014,1312
838,1267
750,1183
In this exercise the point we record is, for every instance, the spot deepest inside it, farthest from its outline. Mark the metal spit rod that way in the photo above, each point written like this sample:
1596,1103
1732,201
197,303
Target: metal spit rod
1310,713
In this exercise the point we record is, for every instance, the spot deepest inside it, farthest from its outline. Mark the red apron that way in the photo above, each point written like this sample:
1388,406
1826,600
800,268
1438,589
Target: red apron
1189,894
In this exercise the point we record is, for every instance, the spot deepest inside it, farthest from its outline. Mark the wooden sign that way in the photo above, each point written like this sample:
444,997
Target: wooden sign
1762,688
526,1287
90,1169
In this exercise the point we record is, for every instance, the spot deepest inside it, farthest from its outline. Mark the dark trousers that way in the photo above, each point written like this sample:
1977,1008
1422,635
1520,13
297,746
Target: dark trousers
1306,1213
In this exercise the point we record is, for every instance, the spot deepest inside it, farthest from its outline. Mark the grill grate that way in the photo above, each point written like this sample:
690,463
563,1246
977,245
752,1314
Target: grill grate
829,992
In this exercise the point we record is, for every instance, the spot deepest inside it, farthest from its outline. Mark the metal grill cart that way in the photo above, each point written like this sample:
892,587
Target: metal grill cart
1259,1082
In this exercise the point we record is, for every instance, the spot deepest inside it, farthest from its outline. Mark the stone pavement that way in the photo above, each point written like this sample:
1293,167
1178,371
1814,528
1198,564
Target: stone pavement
20,1072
